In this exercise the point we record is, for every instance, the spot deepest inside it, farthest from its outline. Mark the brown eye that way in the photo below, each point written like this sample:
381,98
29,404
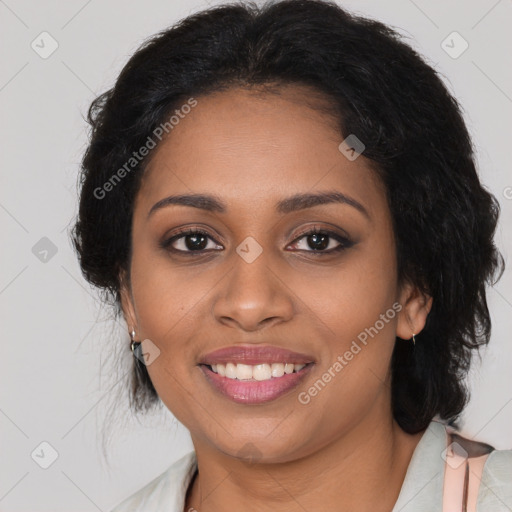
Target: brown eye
189,240
322,241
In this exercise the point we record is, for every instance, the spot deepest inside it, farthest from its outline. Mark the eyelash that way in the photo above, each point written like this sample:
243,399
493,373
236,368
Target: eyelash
344,242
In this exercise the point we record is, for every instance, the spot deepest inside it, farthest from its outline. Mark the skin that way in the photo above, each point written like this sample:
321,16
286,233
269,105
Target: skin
252,150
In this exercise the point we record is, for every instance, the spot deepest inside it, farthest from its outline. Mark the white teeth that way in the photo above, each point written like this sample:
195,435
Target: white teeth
261,372
257,372
231,371
277,369
288,368
243,372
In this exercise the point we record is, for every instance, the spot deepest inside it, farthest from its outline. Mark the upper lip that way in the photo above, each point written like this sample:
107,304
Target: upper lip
254,354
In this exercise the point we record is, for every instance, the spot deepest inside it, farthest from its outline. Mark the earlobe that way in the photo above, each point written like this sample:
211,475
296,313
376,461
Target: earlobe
416,306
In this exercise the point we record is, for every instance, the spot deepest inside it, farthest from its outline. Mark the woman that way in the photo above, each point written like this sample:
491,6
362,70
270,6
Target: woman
283,203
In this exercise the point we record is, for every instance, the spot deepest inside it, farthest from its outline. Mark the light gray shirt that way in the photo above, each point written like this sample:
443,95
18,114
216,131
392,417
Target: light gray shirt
422,489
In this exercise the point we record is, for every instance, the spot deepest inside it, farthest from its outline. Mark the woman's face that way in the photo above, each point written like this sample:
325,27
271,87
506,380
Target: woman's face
255,279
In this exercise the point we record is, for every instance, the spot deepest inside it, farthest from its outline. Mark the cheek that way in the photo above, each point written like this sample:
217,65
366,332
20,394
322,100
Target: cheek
358,323
167,307
356,311
164,294
350,297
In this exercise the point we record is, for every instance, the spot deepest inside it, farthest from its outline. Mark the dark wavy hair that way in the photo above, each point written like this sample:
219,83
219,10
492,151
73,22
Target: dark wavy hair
380,89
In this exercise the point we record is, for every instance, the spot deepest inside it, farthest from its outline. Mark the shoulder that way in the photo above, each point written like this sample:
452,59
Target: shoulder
425,482
496,486
166,491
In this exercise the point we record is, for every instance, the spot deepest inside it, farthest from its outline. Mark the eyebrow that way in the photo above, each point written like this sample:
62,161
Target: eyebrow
290,204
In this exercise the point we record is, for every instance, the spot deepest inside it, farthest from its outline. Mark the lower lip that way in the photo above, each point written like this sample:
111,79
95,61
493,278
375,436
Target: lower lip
253,391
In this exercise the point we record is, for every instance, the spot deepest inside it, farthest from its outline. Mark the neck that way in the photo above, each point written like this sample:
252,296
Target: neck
361,470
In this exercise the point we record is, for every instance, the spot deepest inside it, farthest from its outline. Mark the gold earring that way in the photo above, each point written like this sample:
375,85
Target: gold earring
413,339
133,344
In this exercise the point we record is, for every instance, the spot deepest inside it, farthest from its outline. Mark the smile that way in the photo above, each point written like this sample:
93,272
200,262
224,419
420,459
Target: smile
255,384
260,372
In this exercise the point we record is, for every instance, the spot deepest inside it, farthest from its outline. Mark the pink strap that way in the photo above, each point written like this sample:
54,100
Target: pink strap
476,468
462,478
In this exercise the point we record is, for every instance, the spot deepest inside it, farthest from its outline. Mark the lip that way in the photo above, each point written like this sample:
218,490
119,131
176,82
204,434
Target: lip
255,354
252,391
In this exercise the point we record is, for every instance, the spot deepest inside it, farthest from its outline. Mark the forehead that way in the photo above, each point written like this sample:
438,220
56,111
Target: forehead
253,146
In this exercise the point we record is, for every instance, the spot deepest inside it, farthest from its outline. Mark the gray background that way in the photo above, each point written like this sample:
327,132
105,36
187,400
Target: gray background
61,373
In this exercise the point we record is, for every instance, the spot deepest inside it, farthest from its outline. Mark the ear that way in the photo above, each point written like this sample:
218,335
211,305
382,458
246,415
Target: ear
127,301
415,308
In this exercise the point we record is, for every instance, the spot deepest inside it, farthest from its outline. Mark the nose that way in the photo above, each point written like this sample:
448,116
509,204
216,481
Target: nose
253,296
